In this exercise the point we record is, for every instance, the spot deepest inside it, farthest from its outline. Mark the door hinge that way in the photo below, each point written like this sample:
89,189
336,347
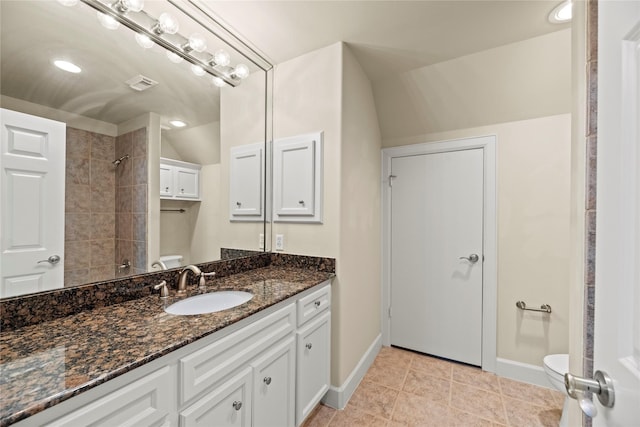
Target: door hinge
391,180
389,312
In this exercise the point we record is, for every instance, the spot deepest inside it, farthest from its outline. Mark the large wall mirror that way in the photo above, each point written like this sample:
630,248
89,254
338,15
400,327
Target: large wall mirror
148,139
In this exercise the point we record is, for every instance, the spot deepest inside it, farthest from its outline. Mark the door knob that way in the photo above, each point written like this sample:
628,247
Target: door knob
53,259
601,385
473,258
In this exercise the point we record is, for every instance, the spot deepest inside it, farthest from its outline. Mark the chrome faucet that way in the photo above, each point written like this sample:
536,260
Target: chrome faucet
160,264
182,279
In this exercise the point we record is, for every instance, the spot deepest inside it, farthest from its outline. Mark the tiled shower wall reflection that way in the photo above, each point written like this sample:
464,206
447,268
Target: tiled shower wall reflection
131,203
105,206
89,207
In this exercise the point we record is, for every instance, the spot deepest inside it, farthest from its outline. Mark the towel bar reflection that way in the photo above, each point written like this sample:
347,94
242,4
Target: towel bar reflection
545,308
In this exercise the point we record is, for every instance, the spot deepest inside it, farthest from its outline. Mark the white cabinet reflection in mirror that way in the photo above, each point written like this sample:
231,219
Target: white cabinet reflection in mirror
297,178
179,180
246,191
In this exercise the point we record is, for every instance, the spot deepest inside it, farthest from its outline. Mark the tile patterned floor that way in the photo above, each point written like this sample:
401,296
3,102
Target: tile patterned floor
403,388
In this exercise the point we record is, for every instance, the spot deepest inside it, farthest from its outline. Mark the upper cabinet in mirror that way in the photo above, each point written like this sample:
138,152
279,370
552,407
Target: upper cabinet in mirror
145,107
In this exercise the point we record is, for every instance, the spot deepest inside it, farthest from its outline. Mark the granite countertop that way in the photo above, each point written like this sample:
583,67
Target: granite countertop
44,364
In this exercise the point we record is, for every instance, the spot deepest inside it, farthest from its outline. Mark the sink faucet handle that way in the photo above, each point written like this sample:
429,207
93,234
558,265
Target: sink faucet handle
203,277
164,291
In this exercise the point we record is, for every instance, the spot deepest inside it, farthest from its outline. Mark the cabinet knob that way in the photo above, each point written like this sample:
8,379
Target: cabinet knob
301,202
182,190
267,380
237,405
317,304
309,345
238,204
166,189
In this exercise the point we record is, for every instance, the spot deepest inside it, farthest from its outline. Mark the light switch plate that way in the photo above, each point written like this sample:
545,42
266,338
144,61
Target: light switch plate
279,242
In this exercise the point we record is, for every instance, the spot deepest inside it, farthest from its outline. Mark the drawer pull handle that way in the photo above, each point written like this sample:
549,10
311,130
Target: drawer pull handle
267,380
309,345
237,405
317,304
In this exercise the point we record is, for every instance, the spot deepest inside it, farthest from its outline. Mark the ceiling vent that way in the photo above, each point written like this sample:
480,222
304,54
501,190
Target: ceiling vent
141,83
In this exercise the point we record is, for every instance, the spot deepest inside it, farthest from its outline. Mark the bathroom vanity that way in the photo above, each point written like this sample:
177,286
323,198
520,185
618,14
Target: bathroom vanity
265,362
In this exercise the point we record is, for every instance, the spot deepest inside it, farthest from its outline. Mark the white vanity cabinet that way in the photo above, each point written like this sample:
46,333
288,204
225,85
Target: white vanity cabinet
179,180
313,348
229,404
268,370
143,402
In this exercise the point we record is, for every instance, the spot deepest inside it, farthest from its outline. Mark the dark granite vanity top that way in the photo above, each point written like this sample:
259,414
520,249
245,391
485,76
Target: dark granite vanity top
44,364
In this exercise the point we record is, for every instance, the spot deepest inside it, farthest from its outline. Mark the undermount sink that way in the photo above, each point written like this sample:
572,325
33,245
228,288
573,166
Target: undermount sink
209,303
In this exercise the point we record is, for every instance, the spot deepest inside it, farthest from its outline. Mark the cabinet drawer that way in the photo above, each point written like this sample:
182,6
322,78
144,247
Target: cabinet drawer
203,368
145,402
314,304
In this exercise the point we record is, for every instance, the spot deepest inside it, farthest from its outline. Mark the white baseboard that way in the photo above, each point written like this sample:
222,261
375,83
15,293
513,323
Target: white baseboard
337,397
523,372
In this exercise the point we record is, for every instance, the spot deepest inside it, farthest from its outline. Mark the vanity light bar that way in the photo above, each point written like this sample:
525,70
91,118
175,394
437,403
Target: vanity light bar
226,74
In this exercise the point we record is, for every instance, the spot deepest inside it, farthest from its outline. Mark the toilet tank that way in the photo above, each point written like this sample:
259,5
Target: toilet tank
171,261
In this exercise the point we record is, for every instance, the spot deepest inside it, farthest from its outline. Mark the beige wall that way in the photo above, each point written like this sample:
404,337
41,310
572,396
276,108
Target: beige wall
307,97
533,197
326,90
242,121
358,264
518,81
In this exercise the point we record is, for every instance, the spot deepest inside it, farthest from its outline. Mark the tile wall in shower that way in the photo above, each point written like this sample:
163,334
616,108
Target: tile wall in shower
131,202
89,207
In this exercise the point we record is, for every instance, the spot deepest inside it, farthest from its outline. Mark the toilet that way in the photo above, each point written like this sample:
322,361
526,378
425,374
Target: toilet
171,261
555,366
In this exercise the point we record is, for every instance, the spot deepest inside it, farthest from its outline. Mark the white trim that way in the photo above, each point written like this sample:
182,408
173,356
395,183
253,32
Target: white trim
338,397
490,277
523,372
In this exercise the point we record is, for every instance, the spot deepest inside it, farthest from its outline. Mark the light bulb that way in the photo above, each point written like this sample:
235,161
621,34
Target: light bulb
218,81
174,57
196,42
198,70
241,71
68,2
144,41
132,5
166,24
220,57
108,21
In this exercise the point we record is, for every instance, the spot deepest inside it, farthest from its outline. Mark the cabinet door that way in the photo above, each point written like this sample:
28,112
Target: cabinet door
274,385
312,379
166,180
187,183
246,190
297,178
145,402
226,405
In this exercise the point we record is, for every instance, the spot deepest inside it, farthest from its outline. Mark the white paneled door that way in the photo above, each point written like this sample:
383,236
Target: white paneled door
437,254
32,183
617,291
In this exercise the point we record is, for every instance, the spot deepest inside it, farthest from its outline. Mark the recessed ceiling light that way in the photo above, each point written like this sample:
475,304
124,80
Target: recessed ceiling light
177,123
561,13
67,66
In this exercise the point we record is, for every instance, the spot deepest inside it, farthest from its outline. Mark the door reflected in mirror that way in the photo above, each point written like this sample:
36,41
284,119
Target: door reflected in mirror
123,102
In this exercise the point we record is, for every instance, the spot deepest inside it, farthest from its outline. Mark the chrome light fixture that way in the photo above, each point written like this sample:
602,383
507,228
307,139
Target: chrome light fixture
163,31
